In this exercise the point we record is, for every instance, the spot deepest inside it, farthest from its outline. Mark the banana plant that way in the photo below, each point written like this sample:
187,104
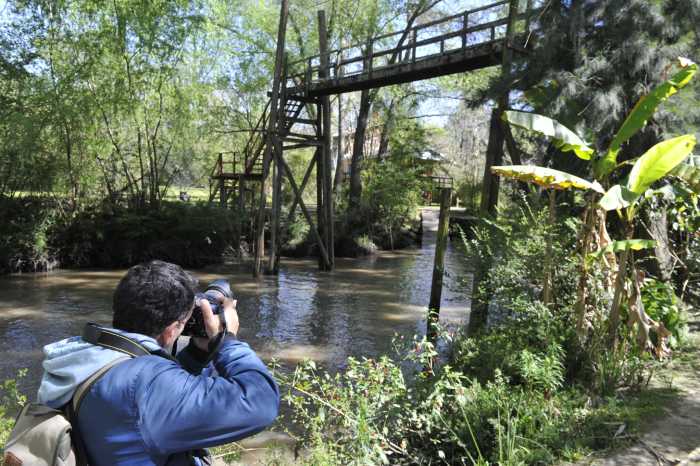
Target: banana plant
653,165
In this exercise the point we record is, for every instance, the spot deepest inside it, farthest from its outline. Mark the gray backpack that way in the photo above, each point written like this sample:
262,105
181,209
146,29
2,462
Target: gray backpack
43,436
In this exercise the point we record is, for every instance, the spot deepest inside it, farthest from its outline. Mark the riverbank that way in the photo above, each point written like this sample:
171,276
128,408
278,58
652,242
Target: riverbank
43,233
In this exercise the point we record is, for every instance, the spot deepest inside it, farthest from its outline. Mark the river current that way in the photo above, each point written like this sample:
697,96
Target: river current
300,313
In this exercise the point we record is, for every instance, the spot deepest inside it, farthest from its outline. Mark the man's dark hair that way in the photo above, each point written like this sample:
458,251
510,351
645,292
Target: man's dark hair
151,296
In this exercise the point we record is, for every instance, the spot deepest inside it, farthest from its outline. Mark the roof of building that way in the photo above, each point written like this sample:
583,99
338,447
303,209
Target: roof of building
431,155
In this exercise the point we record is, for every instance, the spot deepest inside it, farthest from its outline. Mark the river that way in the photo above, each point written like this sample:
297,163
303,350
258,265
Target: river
300,313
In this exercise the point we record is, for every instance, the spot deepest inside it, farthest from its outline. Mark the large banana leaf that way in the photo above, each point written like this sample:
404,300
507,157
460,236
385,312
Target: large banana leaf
643,110
564,139
658,161
628,244
546,177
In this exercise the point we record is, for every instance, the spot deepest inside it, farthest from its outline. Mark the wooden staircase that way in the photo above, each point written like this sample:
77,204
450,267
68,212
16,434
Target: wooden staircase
238,174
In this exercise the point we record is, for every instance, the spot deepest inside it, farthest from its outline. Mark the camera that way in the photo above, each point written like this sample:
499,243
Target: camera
214,294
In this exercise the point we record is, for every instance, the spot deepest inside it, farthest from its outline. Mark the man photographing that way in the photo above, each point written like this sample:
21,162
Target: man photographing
154,409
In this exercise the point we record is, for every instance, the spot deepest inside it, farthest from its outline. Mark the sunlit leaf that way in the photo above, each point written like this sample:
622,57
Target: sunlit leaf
618,197
643,110
546,177
628,244
658,161
564,139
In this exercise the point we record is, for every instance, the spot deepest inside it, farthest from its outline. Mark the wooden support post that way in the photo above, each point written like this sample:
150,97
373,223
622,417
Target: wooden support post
329,236
273,259
271,136
478,317
222,192
305,211
414,39
241,202
465,25
320,211
370,58
439,265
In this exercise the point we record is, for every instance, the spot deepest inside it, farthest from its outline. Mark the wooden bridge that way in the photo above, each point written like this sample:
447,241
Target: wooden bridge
467,41
298,113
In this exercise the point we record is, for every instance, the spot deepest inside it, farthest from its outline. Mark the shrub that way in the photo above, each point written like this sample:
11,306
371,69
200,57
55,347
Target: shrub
10,404
25,234
662,304
191,235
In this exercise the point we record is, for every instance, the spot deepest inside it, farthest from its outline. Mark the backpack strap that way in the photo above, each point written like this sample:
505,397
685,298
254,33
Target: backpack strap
74,405
93,333
85,387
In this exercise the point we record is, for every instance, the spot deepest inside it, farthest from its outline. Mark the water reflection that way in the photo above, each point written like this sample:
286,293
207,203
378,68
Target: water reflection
352,311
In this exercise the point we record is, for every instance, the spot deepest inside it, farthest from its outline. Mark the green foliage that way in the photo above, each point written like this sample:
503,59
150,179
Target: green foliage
11,402
624,245
26,233
662,304
346,416
390,198
543,373
371,414
42,233
689,172
191,235
513,247
658,161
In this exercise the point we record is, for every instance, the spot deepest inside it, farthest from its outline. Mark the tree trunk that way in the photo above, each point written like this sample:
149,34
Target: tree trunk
494,156
386,129
659,263
358,150
547,288
614,318
582,288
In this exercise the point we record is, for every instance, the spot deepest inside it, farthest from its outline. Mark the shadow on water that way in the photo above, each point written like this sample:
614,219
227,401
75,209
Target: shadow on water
301,313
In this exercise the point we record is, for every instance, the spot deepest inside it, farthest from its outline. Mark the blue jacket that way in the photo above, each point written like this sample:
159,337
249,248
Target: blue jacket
151,410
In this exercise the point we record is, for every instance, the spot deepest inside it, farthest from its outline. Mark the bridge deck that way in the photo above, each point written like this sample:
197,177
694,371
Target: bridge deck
468,41
456,61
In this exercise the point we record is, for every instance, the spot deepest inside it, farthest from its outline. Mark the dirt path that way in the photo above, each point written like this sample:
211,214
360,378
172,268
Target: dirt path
674,437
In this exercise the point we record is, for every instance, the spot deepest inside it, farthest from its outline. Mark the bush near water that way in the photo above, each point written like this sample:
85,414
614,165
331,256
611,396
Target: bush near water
42,233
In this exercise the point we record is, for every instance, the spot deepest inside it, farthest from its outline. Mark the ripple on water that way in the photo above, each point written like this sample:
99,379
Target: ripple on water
301,313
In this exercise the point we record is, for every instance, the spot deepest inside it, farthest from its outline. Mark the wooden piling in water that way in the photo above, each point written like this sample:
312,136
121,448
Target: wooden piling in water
271,140
328,229
439,265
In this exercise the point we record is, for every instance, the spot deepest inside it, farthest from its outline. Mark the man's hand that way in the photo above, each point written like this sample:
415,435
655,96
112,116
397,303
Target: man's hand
212,322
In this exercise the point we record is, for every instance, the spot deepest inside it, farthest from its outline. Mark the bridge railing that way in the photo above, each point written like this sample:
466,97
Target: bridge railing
234,163
438,182
467,29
